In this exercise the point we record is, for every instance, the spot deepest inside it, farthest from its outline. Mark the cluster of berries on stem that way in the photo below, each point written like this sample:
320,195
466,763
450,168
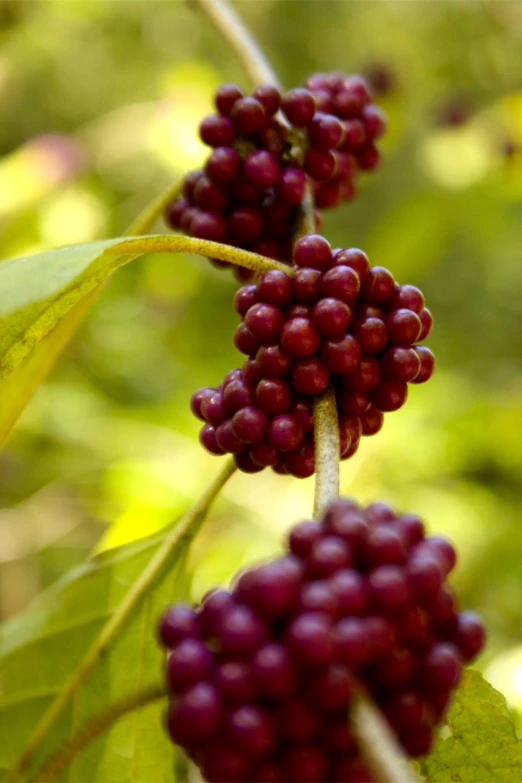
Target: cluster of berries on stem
262,677
336,319
266,149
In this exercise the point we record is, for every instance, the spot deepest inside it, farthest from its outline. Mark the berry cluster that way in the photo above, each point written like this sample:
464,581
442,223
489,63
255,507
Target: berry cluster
336,319
249,193
262,677
341,136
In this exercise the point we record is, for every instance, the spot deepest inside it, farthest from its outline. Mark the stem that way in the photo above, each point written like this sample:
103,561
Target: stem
377,744
179,243
232,28
326,436
180,535
146,219
94,727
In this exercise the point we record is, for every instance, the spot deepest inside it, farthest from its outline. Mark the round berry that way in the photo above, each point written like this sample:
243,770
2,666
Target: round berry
299,338
177,623
275,287
298,105
250,728
427,364
310,376
189,662
272,361
239,631
389,395
261,169
427,323
341,282
341,354
371,334
249,424
226,96
273,395
325,132
265,321
403,327
284,433
208,439
272,671
195,716
469,636
313,251
406,297
292,185
248,116
269,97
378,286
309,639
307,285
400,363
216,130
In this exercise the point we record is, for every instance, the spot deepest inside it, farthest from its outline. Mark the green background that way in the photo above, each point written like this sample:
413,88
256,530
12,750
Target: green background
100,103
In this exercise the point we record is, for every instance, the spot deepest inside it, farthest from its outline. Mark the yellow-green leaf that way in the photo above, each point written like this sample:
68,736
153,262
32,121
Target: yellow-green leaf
45,292
482,745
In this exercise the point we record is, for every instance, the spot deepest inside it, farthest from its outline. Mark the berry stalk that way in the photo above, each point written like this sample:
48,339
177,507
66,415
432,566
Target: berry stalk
327,455
231,27
384,757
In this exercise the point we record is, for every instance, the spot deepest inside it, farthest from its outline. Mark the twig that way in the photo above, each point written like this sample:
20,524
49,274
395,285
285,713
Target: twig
232,28
179,243
377,744
326,436
181,534
94,727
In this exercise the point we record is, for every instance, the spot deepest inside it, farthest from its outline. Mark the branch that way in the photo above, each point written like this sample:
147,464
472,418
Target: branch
326,436
94,727
377,744
179,536
232,28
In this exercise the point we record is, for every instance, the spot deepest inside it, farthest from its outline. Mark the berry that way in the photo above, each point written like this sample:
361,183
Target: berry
273,396
189,662
310,376
178,623
269,97
216,131
248,115
249,424
313,251
284,433
299,338
309,639
298,106
225,98
261,169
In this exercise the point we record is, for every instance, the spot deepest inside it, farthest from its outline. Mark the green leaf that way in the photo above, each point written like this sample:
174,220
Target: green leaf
45,292
40,648
483,745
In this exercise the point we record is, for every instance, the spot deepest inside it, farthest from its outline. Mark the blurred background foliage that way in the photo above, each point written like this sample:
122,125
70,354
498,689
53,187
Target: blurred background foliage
100,103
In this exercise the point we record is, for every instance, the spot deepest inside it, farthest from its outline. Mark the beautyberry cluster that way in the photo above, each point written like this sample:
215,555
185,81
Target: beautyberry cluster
262,677
341,136
249,193
336,319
